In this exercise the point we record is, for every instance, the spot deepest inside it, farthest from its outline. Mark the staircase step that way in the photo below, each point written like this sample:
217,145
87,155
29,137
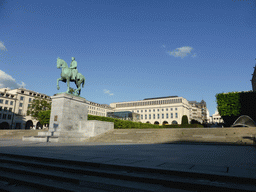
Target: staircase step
84,172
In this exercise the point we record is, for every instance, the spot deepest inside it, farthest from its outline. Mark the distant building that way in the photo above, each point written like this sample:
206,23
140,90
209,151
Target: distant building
159,110
124,115
98,109
216,118
13,108
198,111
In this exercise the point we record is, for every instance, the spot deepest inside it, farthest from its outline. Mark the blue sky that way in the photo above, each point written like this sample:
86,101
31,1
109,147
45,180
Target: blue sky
129,50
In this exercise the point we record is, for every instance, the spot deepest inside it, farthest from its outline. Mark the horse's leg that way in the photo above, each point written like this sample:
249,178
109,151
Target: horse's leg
60,79
68,81
78,88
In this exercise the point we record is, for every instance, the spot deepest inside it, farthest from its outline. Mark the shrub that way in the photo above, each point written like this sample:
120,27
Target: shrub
184,120
234,104
123,124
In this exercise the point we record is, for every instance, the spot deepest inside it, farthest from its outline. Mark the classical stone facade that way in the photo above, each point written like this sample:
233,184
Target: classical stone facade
198,111
98,109
160,110
216,118
13,108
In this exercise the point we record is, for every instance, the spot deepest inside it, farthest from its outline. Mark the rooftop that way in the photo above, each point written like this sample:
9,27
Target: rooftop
160,97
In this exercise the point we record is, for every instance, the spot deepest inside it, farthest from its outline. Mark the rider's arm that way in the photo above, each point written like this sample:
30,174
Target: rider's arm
74,65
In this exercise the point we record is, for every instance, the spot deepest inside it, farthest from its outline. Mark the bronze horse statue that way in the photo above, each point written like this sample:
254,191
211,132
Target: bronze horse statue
66,77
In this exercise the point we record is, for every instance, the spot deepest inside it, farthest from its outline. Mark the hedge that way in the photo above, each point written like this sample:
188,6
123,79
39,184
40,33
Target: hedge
234,104
123,124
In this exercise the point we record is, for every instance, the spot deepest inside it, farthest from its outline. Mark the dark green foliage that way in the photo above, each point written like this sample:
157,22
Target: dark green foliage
123,124
193,121
184,120
228,103
36,110
234,104
44,117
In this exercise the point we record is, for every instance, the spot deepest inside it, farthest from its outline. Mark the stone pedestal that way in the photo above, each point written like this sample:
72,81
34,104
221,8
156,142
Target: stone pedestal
67,112
68,121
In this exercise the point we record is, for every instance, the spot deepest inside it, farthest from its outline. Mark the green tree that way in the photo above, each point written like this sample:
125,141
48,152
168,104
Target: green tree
184,120
40,109
44,117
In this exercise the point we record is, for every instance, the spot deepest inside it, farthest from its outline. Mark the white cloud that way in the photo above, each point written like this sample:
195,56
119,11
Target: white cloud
108,92
8,81
181,52
2,47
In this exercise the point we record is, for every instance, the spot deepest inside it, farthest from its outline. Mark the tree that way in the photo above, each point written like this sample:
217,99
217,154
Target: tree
184,120
40,109
44,117
193,121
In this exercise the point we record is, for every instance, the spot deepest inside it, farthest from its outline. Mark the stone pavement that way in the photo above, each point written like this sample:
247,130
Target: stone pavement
227,160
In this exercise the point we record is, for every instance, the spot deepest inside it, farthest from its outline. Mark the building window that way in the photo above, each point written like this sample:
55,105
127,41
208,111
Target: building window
176,115
137,111
21,98
20,112
175,109
4,116
141,111
154,116
157,109
149,110
166,109
5,109
171,109
141,116
11,103
1,100
158,116
149,116
171,115
145,116
9,116
10,109
162,116
21,104
153,110
0,115
6,102
145,110
162,109
30,99
29,105
166,115
0,108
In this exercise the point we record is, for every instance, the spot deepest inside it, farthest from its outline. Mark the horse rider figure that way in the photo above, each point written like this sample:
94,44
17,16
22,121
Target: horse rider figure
73,67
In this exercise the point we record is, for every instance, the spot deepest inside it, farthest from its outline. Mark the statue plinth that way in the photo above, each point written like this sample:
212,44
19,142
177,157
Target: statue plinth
69,123
66,112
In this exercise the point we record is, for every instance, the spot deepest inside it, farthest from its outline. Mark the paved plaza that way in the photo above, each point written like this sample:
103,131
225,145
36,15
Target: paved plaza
217,159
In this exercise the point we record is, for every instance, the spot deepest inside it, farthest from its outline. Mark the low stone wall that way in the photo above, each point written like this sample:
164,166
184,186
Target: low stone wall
177,135
18,134
239,135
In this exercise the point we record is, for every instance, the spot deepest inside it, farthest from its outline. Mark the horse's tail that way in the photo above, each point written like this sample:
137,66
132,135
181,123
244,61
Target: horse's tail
83,81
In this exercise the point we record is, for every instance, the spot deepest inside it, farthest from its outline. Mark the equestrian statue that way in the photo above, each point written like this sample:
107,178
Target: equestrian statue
70,74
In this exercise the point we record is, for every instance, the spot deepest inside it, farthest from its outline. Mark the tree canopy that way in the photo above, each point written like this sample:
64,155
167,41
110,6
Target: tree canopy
40,109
